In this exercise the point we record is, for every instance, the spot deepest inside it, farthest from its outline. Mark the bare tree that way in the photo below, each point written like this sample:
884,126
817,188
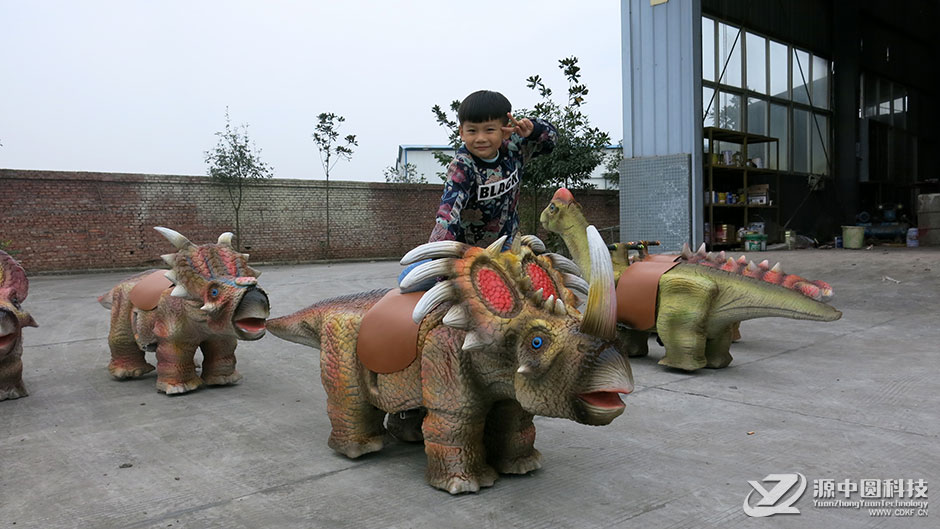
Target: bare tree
326,138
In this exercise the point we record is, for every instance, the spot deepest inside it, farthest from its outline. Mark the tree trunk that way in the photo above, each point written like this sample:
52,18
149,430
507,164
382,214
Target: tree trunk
328,216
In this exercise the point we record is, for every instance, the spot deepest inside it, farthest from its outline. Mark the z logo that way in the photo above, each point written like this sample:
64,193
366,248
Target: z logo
767,505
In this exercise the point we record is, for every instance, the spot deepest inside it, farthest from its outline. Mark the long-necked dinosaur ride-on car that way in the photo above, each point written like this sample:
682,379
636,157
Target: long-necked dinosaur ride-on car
691,300
208,300
494,342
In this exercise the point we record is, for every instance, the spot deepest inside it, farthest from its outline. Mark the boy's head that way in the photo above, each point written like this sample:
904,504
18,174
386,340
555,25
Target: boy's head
482,116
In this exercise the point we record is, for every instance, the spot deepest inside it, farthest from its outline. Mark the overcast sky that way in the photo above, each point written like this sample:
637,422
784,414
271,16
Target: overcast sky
141,87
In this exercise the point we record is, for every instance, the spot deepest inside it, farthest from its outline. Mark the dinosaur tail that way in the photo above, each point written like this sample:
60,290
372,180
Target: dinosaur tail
748,298
305,325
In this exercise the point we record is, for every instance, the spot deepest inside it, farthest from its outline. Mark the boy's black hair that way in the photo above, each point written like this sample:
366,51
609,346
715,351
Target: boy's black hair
484,105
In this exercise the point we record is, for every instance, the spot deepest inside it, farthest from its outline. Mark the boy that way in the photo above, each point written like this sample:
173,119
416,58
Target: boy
485,176
484,179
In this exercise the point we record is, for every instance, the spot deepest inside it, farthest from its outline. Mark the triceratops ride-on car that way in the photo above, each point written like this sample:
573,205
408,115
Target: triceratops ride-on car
13,289
209,299
494,342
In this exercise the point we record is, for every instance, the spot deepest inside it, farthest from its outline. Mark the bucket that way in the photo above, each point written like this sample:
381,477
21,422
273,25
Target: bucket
853,236
912,240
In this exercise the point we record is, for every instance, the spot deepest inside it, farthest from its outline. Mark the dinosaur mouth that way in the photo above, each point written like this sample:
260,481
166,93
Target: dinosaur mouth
604,400
251,325
6,340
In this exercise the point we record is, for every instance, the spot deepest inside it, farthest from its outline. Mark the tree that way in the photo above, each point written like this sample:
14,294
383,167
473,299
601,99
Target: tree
612,166
579,148
453,135
404,175
326,138
234,163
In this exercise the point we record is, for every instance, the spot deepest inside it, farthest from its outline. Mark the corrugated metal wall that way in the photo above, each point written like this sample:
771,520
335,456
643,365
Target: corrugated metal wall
662,86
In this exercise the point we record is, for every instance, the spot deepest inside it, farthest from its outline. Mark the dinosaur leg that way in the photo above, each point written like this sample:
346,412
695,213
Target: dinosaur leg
176,371
127,358
718,349
684,305
357,424
11,377
736,331
509,438
632,343
218,361
456,454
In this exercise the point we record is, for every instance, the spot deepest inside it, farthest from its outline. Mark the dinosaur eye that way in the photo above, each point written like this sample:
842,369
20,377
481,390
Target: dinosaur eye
16,303
214,292
536,342
551,207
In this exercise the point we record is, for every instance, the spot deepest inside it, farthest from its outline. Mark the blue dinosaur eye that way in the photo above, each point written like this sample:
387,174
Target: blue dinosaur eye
536,342
214,292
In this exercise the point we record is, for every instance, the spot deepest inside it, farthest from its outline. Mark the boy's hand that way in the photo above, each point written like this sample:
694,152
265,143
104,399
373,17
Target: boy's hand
523,127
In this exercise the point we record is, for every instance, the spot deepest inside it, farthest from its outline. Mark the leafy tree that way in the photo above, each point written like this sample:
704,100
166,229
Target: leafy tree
453,135
326,138
612,166
404,175
234,163
579,147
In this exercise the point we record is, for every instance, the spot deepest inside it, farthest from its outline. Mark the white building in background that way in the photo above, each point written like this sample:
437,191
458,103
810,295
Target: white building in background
422,158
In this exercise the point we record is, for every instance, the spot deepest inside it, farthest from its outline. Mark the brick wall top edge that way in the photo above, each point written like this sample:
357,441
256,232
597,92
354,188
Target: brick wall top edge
33,174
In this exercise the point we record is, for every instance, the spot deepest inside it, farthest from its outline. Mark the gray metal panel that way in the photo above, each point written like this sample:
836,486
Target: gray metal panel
654,200
662,89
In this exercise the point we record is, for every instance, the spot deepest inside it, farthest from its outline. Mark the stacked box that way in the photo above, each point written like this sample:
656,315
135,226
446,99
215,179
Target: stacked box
758,194
928,219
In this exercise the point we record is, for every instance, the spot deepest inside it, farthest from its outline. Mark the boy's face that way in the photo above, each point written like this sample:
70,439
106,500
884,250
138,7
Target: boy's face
483,139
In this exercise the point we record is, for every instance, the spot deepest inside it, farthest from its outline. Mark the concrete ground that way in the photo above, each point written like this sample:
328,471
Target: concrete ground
849,400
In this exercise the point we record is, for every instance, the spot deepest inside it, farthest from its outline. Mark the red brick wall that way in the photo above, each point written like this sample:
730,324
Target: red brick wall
54,220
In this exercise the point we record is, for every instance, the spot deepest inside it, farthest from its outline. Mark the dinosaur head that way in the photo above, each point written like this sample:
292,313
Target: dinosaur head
522,331
219,277
556,218
14,288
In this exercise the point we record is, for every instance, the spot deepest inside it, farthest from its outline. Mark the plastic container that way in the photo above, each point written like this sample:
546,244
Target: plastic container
853,237
755,242
912,240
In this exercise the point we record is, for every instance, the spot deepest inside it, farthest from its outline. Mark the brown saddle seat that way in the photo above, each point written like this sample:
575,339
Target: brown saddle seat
145,295
637,290
388,338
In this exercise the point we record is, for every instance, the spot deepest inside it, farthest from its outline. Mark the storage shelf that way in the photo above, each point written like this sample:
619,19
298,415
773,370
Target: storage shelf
719,177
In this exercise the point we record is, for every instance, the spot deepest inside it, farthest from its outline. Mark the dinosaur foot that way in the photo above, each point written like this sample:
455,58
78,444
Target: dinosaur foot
519,465
222,380
685,363
465,482
177,388
122,370
13,392
355,448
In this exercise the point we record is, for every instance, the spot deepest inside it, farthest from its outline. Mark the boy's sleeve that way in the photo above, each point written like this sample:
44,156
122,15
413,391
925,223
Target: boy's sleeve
457,192
540,141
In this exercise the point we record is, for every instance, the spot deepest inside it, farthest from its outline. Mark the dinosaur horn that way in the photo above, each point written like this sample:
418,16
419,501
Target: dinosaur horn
169,258
226,239
430,270
600,316
497,245
686,251
174,237
575,283
438,294
701,250
458,317
563,264
534,242
433,250
516,247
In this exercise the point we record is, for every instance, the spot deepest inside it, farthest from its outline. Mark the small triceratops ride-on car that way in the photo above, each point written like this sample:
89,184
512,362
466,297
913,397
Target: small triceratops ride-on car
208,300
